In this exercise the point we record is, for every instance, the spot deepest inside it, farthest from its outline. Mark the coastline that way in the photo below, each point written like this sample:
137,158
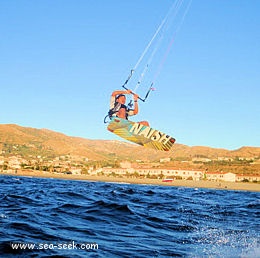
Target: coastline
243,186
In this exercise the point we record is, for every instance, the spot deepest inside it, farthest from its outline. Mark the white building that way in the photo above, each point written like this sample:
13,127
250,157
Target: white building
220,176
229,177
183,174
250,178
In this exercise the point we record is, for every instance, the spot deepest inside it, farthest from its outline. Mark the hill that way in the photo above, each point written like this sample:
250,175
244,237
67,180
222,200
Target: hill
26,141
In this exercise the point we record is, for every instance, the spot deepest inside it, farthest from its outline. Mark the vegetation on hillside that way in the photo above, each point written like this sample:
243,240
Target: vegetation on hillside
45,145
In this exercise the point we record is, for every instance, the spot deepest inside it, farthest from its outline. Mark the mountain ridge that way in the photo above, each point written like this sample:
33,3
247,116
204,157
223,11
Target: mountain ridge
44,141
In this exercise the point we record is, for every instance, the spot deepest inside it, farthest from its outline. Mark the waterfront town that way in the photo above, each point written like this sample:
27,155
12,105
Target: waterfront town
77,165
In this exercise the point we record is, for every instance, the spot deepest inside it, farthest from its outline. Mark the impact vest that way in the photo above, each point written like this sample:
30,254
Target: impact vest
116,108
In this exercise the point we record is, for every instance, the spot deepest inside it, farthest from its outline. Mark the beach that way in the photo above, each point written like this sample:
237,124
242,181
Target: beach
244,186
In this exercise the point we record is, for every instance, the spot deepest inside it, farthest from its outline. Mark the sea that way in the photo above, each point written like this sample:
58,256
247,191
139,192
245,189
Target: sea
45,217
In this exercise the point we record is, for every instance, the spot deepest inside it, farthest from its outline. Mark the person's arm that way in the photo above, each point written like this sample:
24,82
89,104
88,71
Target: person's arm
112,102
136,109
117,92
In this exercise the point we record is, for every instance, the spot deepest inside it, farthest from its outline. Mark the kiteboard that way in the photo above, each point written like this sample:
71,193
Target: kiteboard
140,134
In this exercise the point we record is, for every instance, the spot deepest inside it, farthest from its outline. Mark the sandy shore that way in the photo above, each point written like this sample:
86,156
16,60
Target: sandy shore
254,187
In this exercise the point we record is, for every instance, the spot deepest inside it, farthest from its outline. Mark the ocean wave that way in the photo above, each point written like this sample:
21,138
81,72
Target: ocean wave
127,220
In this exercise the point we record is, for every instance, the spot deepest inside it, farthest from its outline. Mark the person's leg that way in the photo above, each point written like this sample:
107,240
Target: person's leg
144,123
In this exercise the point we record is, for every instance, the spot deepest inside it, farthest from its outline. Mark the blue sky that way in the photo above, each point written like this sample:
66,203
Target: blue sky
60,60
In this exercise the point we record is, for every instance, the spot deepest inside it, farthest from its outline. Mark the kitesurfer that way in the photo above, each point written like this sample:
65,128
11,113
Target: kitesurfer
118,107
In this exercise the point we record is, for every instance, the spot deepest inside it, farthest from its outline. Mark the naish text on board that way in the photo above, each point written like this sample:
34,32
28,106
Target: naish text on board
149,133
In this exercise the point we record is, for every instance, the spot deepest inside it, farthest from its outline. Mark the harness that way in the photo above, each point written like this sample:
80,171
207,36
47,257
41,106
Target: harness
115,109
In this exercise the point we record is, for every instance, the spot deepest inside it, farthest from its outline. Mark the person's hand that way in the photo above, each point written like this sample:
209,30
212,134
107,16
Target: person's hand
128,92
136,97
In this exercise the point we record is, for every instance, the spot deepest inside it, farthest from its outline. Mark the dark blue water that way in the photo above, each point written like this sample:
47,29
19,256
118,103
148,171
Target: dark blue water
62,218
